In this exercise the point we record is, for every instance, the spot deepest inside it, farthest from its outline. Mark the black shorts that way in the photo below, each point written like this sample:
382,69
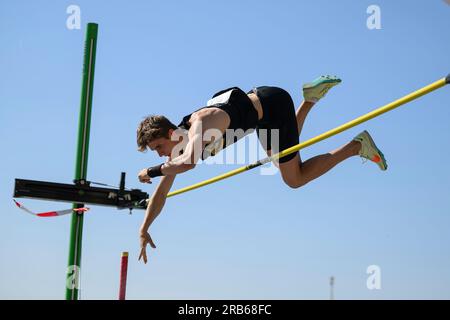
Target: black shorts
278,113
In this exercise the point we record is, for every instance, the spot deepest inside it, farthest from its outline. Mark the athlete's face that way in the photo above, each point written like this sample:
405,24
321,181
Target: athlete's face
161,145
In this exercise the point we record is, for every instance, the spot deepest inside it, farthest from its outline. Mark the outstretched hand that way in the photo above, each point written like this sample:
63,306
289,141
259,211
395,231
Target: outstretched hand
145,240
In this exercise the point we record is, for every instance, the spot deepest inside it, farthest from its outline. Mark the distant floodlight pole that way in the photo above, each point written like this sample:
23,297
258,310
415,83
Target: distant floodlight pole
76,230
123,275
332,288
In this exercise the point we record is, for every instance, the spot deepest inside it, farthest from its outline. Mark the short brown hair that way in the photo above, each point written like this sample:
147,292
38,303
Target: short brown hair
151,128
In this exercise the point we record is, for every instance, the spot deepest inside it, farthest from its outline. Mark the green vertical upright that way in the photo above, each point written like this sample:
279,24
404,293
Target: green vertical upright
76,232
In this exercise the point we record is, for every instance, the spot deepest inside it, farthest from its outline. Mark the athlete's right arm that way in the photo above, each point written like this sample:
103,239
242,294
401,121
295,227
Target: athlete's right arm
154,208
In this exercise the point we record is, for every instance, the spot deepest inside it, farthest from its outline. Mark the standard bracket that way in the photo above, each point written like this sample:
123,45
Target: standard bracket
82,192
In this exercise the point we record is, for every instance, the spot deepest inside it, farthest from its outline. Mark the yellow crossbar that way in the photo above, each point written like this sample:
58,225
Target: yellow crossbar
375,113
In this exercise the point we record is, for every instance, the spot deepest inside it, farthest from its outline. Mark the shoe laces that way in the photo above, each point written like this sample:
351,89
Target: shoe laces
325,90
363,154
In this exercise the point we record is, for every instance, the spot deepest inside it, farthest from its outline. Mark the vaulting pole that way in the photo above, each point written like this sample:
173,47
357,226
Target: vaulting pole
76,231
375,113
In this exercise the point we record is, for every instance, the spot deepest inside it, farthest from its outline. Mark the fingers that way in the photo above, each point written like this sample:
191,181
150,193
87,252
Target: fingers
143,177
150,241
143,255
144,241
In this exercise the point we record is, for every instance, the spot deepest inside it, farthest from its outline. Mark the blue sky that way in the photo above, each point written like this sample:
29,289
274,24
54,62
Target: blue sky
249,237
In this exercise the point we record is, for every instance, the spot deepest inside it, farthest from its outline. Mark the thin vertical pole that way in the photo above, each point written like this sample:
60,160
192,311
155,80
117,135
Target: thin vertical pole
76,231
123,275
332,288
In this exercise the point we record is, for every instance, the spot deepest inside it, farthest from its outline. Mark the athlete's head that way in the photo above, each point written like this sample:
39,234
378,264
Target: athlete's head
154,132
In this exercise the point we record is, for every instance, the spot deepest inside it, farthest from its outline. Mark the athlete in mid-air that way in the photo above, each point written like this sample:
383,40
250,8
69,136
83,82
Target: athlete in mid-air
269,110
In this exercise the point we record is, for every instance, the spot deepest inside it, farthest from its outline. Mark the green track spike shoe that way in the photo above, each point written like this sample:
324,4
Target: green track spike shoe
370,151
316,90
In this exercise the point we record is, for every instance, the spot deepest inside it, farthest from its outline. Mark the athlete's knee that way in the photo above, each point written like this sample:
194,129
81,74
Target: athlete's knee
292,174
294,183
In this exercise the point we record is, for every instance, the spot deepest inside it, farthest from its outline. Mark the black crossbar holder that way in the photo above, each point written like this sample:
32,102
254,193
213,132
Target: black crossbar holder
82,192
